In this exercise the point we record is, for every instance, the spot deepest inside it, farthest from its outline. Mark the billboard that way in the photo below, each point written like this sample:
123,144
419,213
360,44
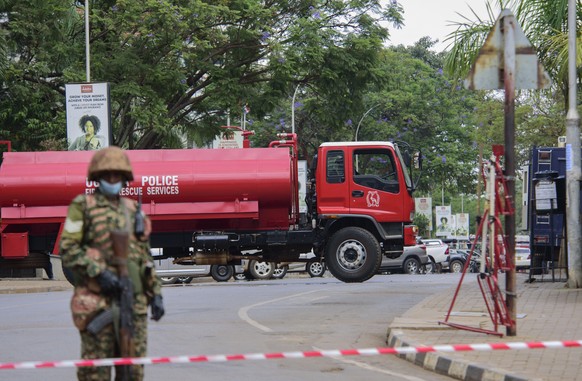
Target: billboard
423,205
88,116
231,137
444,221
461,226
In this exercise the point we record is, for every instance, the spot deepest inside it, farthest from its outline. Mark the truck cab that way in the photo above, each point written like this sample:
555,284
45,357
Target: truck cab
361,189
364,178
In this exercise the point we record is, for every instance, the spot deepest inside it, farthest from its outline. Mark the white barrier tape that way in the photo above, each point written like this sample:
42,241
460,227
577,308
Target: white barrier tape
290,355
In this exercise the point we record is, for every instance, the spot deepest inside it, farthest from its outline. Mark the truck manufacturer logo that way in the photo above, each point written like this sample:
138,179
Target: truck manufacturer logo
373,199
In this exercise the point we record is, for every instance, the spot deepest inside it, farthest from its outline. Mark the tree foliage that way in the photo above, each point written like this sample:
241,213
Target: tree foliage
177,67
421,105
545,24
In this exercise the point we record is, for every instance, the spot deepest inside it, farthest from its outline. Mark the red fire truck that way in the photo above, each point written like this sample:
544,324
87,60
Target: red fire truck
220,206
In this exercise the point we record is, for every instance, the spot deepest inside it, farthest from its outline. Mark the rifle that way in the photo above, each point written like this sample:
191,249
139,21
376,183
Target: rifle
120,241
100,321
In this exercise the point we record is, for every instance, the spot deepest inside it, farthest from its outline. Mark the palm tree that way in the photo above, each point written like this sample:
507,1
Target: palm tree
545,23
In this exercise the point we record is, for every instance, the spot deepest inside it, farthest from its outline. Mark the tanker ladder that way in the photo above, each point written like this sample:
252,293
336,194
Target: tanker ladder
493,258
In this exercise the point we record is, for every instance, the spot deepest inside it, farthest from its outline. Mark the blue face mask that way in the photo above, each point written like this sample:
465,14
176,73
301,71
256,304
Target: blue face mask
109,189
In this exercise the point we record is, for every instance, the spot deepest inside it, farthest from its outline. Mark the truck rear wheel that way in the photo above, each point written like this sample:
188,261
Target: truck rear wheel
353,255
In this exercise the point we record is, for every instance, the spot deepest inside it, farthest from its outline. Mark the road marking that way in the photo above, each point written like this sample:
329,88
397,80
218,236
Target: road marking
319,298
243,312
369,367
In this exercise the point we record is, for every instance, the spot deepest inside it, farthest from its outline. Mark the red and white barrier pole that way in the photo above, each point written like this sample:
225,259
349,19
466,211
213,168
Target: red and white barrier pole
291,355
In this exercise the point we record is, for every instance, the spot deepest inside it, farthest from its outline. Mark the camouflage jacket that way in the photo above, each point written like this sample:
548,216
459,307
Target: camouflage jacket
86,248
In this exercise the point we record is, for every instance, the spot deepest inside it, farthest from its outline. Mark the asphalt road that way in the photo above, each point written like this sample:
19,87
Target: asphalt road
296,313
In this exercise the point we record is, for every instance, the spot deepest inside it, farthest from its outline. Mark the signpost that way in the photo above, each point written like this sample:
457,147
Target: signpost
508,61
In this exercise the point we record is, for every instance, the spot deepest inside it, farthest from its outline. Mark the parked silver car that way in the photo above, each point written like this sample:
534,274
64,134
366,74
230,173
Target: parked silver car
412,261
171,273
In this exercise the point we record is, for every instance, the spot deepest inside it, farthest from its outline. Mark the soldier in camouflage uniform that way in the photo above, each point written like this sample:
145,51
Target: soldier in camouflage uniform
87,252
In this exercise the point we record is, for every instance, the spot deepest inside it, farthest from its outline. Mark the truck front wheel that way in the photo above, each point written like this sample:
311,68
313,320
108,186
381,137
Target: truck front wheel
353,255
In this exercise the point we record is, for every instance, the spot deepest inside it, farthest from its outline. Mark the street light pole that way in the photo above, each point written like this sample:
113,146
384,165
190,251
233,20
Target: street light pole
293,109
87,48
361,119
573,170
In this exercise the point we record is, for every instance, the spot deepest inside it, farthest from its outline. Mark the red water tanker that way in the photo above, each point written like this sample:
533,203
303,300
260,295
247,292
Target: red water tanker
224,205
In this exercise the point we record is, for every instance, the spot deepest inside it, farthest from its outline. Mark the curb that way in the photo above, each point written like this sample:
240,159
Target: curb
451,367
17,287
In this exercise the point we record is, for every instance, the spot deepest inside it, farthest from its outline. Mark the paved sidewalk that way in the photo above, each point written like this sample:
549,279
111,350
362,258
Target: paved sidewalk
31,285
546,311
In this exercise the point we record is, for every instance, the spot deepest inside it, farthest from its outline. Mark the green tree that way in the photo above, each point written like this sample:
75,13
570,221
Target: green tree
545,23
538,115
178,66
423,223
419,104
39,49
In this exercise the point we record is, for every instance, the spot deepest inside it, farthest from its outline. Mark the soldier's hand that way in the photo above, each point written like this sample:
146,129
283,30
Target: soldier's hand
109,282
157,305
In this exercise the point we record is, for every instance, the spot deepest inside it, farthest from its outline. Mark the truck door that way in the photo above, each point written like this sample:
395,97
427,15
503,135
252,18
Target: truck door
332,183
376,184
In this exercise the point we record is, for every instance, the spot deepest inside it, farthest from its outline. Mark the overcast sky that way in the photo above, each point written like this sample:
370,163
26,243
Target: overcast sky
432,18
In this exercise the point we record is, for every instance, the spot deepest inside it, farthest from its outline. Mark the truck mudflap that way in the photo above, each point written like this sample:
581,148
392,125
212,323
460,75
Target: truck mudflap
353,254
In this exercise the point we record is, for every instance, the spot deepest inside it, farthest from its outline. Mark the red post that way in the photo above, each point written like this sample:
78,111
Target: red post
8,143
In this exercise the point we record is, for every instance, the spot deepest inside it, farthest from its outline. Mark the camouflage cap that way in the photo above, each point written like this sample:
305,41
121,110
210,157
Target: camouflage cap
110,159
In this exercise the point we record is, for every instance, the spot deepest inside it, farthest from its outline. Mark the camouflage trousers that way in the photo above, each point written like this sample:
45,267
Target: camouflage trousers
104,345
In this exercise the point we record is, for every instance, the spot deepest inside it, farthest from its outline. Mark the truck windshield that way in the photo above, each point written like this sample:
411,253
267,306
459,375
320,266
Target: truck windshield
405,169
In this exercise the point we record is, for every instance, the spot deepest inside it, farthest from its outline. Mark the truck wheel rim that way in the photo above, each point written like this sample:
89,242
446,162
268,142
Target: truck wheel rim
351,255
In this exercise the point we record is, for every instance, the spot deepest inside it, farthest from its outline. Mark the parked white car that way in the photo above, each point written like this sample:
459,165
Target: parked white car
522,258
438,253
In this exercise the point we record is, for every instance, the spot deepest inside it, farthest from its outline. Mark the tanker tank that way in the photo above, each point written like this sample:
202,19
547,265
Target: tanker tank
175,185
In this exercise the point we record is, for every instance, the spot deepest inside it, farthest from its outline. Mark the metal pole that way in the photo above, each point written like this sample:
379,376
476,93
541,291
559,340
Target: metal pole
509,56
244,124
361,119
293,109
443,193
573,221
87,47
